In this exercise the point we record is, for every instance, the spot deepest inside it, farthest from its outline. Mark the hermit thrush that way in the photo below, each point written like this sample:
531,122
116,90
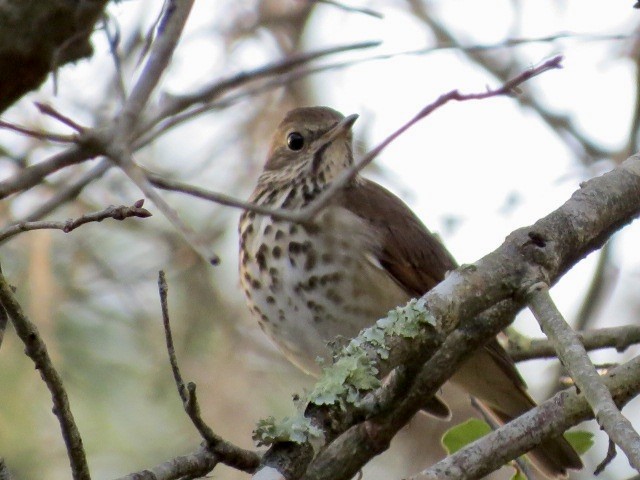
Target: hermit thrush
362,255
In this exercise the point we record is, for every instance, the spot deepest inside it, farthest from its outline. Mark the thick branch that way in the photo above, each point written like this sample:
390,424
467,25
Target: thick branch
36,349
551,418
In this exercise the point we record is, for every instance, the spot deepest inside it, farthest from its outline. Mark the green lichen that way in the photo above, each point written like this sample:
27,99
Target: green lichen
354,370
353,373
296,429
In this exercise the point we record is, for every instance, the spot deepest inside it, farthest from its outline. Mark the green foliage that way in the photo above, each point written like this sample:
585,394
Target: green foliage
296,429
463,434
580,440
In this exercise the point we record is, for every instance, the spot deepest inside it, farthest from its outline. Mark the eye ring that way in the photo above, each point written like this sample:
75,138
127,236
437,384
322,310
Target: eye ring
295,141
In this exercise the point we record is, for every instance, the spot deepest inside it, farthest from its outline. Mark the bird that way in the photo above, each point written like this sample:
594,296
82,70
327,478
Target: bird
364,253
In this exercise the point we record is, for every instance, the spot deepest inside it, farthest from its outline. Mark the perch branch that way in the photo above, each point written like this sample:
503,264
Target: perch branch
574,357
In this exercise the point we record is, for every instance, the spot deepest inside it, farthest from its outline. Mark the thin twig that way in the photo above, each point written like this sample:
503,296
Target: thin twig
611,454
163,289
347,8
575,359
113,39
227,453
36,349
307,213
117,213
47,109
52,137
69,192
117,142
33,175
211,92
345,177
523,348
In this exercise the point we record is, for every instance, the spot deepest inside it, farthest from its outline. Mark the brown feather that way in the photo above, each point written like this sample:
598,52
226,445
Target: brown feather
411,254
417,261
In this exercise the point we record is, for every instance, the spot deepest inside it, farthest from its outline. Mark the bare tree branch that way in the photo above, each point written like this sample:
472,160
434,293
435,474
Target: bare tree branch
69,192
575,359
36,349
34,174
225,452
307,213
523,348
193,465
550,418
347,8
499,282
117,213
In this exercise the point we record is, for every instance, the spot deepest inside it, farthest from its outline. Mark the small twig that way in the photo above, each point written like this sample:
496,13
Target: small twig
347,8
113,39
305,214
117,213
574,357
228,453
52,137
117,142
47,109
36,349
522,348
485,413
611,454
163,289
31,176
211,92
70,192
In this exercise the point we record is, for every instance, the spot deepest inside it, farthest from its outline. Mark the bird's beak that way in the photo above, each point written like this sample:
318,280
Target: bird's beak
341,129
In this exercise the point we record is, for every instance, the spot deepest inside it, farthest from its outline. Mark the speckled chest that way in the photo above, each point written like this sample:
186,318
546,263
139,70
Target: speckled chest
308,284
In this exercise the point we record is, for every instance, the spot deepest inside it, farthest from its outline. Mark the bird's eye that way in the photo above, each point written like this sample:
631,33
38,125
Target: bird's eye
295,141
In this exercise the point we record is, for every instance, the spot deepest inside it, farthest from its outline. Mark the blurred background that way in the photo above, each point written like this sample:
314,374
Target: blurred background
473,171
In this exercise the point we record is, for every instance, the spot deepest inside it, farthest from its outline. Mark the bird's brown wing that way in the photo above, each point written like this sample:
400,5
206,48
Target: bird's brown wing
417,261
412,255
